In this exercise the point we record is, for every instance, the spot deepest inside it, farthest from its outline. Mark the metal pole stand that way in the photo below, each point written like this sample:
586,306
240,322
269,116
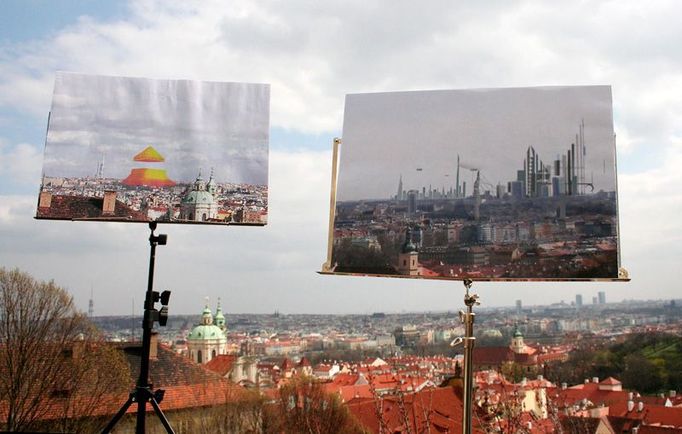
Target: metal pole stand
142,394
467,318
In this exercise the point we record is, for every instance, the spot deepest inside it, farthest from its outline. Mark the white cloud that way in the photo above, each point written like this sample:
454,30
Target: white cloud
20,163
315,53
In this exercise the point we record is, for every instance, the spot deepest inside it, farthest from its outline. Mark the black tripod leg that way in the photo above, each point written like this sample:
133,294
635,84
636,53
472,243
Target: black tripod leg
107,429
162,417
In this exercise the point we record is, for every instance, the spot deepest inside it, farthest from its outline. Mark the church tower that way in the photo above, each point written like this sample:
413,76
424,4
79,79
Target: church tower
211,185
219,318
407,258
517,344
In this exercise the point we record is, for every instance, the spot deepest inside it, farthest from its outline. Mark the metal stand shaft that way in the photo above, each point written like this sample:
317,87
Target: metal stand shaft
467,318
142,394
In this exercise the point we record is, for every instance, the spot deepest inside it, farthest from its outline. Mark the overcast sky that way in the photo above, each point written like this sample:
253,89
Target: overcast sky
313,54
194,125
418,135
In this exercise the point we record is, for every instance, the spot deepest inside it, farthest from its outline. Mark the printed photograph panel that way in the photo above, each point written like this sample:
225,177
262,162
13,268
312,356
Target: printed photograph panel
141,150
490,184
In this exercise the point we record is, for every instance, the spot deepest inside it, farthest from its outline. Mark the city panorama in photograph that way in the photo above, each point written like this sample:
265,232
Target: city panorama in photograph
135,149
514,183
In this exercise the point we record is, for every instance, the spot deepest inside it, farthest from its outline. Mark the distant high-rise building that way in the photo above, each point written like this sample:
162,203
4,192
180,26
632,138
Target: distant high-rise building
458,192
602,297
578,300
499,193
412,201
477,196
556,186
531,166
520,175
399,195
516,190
519,307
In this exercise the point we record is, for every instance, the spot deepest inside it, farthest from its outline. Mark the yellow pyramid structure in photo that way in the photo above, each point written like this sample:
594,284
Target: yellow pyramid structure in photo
147,176
149,154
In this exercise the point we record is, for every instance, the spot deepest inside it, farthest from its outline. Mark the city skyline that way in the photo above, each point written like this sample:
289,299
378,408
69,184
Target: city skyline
419,136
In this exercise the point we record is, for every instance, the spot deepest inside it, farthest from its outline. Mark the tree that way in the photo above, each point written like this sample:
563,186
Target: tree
53,365
304,407
641,374
501,410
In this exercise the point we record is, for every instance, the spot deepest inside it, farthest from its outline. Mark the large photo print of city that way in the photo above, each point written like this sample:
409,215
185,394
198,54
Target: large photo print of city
487,184
142,150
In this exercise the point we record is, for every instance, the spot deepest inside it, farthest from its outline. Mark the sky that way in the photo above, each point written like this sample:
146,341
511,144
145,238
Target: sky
312,54
194,125
418,136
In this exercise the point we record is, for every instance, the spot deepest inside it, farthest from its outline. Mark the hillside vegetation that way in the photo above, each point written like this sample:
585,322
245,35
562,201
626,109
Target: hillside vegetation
647,363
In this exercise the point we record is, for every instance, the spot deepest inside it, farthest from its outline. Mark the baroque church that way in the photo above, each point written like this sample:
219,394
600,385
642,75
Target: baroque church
199,202
208,339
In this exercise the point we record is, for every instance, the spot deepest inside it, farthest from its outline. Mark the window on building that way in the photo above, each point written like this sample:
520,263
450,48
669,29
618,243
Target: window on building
199,359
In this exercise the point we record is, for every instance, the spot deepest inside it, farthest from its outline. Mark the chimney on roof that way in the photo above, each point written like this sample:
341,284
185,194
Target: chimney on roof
631,405
631,396
523,381
640,406
45,199
595,380
109,203
154,346
635,429
564,386
587,380
672,393
541,377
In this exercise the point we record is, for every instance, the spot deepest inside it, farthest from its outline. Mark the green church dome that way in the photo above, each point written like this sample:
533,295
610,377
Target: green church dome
205,332
198,197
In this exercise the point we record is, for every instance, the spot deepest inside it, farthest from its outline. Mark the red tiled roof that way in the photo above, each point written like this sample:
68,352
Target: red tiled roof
221,364
573,424
345,379
492,355
590,392
440,408
650,415
350,393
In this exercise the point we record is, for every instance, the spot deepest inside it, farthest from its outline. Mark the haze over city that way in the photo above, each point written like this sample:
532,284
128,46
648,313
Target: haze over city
313,57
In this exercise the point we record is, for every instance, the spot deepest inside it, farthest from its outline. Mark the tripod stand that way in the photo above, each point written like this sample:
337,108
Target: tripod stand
467,318
143,390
